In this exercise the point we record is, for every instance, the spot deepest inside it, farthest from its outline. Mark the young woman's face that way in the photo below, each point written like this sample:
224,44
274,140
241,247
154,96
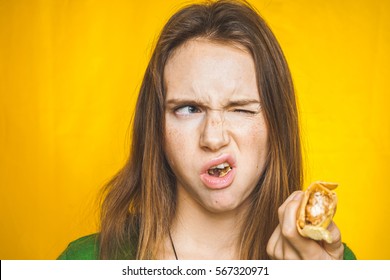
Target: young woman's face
215,134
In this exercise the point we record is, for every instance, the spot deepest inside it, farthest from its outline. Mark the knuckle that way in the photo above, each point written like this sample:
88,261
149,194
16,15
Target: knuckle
278,255
280,211
269,251
290,256
336,235
289,232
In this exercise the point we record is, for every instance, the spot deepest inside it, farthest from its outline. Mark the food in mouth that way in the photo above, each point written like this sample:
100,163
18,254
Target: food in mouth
317,210
220,170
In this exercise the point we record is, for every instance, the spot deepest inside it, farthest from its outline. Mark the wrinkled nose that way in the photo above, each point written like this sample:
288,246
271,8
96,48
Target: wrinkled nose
214,135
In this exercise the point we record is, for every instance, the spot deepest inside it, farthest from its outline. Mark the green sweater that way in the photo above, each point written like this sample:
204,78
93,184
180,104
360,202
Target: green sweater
87,248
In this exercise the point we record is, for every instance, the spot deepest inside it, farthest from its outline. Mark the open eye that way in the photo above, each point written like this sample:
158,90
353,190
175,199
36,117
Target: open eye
187,110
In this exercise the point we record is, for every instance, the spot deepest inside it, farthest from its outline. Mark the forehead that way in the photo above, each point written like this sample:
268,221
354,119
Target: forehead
203,49
201,65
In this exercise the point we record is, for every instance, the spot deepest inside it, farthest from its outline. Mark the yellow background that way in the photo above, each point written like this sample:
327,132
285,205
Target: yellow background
69,75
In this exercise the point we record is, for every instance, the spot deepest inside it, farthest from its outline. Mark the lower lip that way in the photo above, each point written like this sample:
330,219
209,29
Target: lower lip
218,182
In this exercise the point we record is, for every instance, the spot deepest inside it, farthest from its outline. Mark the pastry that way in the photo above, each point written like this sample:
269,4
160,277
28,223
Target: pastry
317,210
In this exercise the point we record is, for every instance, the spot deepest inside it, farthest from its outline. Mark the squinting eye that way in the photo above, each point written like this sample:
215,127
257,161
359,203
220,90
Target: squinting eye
187,110
244,111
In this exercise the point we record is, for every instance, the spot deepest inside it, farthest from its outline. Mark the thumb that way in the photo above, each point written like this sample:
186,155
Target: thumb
336,248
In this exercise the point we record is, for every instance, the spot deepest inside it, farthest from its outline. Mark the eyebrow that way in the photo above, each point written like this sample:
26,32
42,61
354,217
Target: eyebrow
243,102
232,103
178,101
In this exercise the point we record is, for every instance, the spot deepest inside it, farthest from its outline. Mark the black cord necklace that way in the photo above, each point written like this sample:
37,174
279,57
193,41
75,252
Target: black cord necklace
173,246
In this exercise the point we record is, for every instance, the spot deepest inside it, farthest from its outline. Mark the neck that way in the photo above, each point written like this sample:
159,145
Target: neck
200,234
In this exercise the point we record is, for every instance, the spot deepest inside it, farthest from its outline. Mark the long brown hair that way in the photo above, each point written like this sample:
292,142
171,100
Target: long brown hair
140,201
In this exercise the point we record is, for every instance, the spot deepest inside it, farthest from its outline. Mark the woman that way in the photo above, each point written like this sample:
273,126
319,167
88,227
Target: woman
215,167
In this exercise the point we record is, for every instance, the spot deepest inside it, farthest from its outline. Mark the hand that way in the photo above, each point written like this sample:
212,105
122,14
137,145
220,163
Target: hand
287,244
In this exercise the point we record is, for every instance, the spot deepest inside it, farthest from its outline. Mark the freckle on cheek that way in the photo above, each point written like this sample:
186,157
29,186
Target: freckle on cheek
176,134
174,137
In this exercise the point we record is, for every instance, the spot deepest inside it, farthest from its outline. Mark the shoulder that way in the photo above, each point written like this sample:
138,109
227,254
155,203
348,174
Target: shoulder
348,254
84,248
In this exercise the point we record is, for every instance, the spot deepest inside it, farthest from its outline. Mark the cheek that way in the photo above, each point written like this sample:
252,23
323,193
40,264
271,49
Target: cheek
171,134
177,147
180,136
171,138
257,144
256,132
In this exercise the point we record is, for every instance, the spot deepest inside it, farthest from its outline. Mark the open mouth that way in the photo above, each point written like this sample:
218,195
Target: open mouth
219,170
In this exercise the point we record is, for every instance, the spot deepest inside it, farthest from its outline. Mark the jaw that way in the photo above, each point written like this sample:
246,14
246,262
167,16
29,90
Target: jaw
222,203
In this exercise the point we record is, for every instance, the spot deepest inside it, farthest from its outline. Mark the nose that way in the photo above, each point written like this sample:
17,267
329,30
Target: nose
214,135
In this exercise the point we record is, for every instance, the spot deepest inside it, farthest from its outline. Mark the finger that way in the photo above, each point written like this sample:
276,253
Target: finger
336,248
289,252
278,248
289,216
286,242
297,195
304,247
272,242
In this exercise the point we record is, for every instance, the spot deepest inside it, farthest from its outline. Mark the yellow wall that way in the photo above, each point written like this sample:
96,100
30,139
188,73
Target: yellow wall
69,75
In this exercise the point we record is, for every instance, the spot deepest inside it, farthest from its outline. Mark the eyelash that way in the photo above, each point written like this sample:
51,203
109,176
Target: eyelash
244,111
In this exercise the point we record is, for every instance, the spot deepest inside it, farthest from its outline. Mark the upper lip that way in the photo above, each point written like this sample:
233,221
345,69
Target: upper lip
218,160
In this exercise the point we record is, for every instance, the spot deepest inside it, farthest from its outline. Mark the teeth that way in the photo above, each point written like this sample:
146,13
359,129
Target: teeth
220,166
220,170
224,172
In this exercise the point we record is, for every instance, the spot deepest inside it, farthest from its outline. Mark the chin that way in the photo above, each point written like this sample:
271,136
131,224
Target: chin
222,206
